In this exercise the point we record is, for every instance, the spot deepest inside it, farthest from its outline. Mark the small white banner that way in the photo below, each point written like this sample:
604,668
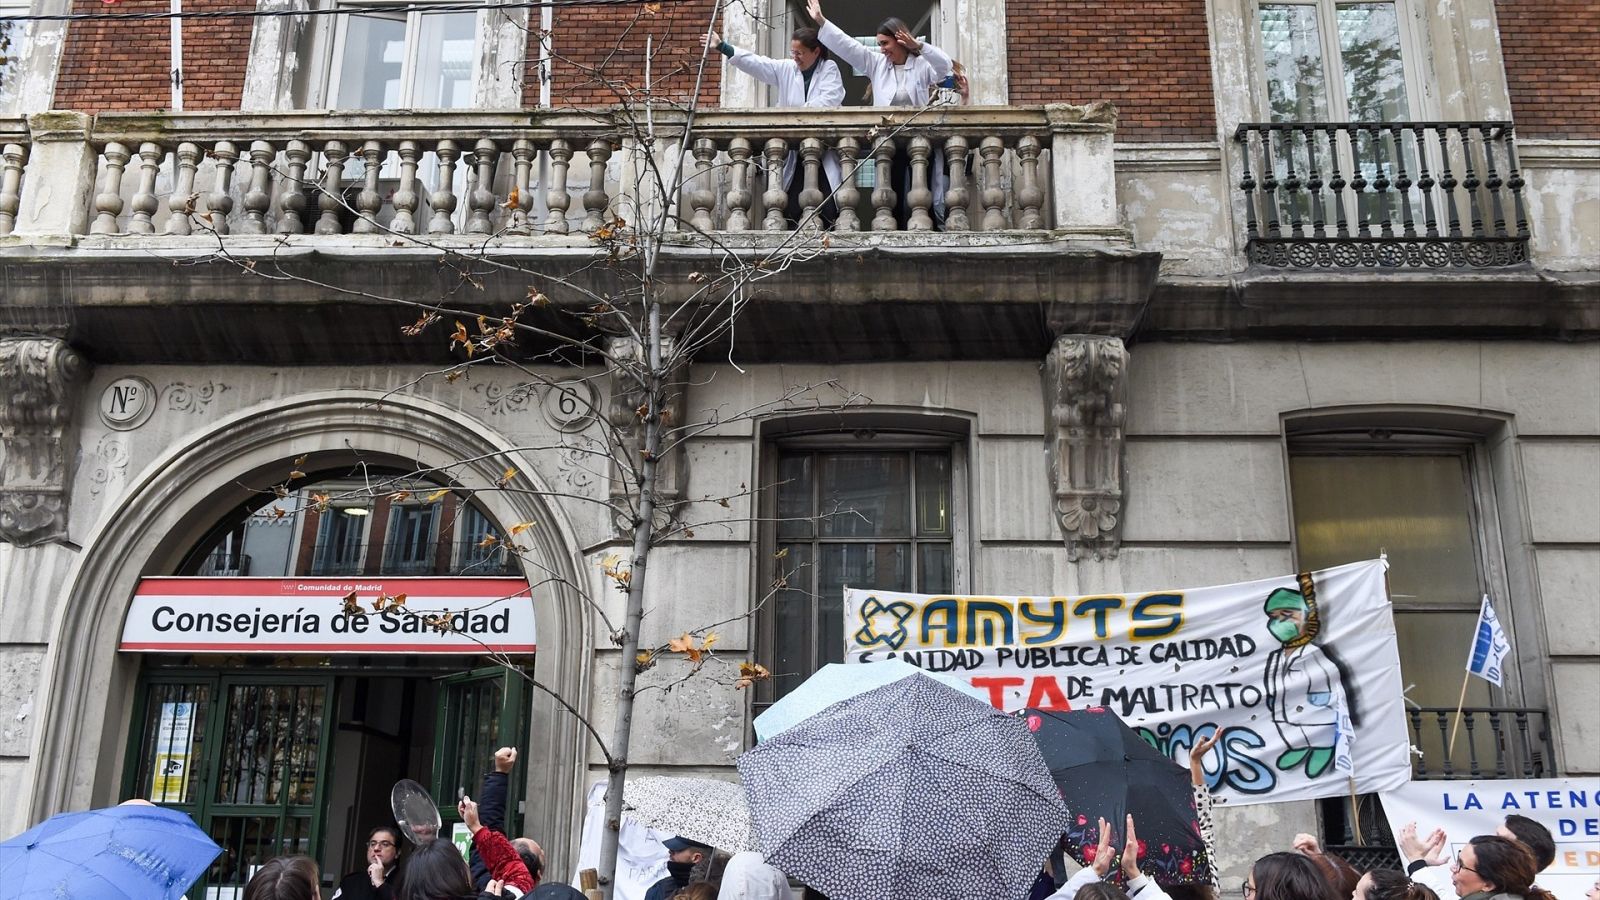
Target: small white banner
1569,807
307,615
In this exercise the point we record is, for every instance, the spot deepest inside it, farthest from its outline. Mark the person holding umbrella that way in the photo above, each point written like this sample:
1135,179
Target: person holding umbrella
1092,876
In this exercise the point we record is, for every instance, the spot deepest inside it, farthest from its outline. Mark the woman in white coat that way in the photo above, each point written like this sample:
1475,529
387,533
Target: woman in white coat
808,78
903,72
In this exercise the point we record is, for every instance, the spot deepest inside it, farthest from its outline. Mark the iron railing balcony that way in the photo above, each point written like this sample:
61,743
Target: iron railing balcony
1382,195
1491,742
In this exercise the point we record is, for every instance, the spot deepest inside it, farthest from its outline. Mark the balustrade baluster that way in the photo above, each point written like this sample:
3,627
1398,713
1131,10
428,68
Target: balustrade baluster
1247,184
181,203
956,198
1031,196
811,191
1425,182
775,198
443,198
108,204
369,202
1521,718
1514,181
292,202
920,197
595,199
522,156
1269,184
1402,183
739,192
1471,724
1336,185
257,201
220,202
1291,184
556,198
702,199
883,195
330,199
1419,762
1380,184
1444,742
484,155
12,159
993,195
1447,183
1314,183
1491,180
849,195
1470,182
407,194
1358,185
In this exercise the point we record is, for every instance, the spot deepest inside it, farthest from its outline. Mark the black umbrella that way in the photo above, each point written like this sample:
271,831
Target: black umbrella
1105,770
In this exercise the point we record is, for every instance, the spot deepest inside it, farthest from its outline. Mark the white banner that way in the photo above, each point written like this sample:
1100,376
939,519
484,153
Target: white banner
1300,673
307,615
1569,807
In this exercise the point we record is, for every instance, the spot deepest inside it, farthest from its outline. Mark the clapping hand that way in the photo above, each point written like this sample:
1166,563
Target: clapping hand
1102,853
1430,851
1130,854
1197,755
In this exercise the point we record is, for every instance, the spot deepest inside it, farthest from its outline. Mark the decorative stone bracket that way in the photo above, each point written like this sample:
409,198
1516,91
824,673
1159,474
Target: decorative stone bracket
630,358
1085,390
43,377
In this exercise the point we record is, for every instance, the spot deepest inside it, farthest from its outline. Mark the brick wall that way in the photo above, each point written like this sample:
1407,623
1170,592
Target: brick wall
1549,48
1151,59
592,44
113,66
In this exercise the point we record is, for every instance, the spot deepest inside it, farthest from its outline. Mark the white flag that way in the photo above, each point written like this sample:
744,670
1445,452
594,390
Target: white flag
1489,646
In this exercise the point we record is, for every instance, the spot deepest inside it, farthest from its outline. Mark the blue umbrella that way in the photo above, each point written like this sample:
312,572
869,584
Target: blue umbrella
134,851
841,681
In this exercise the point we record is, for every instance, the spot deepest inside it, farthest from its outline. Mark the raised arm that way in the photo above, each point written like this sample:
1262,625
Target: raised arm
843,45
762,68
937,58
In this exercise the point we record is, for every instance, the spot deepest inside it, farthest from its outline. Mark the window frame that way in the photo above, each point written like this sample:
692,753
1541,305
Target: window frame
1413,52
902,437
336,37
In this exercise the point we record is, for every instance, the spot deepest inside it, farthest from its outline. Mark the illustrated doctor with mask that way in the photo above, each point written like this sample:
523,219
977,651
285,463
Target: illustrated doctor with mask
1303,688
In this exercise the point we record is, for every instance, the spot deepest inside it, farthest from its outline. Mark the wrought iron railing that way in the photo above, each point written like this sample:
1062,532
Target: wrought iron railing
468,558
1491,742
1393,195
225,563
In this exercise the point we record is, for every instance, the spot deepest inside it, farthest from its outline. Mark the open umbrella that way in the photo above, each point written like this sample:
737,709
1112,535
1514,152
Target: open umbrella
701,809
133,851
909,790
841,681
1105,770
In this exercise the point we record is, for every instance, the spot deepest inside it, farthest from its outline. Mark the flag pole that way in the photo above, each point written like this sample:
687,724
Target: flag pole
1460,702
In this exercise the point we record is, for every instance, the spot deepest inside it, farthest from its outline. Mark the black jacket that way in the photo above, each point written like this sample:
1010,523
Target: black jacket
358,886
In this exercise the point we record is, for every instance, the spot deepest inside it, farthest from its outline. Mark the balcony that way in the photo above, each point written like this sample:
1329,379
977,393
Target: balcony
1382,195
158,231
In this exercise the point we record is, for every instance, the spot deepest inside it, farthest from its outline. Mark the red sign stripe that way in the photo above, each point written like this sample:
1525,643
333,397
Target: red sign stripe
371,649
332,588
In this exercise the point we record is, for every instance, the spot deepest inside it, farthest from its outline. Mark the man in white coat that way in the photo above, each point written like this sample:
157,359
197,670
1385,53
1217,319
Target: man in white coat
808,78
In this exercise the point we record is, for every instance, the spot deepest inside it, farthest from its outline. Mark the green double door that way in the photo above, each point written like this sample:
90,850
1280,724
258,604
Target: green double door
248,756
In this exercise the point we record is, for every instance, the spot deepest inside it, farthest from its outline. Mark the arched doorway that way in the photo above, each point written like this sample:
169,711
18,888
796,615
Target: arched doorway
170,516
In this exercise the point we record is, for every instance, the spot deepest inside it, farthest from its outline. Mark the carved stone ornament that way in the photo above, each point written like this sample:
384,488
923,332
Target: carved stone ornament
43,378
1085,388
622,412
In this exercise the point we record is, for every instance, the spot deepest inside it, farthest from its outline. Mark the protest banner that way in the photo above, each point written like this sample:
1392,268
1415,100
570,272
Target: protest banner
1569,807
1300,673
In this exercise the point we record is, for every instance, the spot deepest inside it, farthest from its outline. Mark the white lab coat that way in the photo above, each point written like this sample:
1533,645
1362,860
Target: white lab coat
920,75
1305,695
826,89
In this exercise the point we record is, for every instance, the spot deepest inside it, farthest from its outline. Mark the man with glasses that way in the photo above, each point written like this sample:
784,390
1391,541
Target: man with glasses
377,881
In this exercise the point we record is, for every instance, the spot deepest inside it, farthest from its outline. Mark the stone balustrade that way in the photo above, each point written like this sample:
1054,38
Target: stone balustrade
510,176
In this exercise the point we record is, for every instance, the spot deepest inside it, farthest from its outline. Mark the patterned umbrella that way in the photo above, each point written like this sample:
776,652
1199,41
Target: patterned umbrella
700,809
911,790
1104,769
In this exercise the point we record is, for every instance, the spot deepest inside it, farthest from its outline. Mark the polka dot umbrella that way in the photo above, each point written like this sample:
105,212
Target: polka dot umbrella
909,790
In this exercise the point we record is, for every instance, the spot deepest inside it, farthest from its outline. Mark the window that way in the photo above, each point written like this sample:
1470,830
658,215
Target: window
861,20
1331,61
879,518
341,539
410,546
13,44
413,60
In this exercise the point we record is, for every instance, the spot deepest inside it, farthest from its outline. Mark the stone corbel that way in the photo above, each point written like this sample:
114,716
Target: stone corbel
1085,390
629,357
43,378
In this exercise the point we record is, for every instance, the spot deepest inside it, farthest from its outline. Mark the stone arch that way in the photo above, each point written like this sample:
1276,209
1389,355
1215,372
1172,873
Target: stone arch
88,691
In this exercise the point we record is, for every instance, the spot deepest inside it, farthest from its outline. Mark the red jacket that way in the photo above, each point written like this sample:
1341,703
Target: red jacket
504,864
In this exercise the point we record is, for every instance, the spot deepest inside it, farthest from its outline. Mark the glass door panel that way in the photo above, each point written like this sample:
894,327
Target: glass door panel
479,712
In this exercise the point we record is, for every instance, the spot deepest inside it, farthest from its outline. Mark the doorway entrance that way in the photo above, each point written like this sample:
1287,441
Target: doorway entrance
272,761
